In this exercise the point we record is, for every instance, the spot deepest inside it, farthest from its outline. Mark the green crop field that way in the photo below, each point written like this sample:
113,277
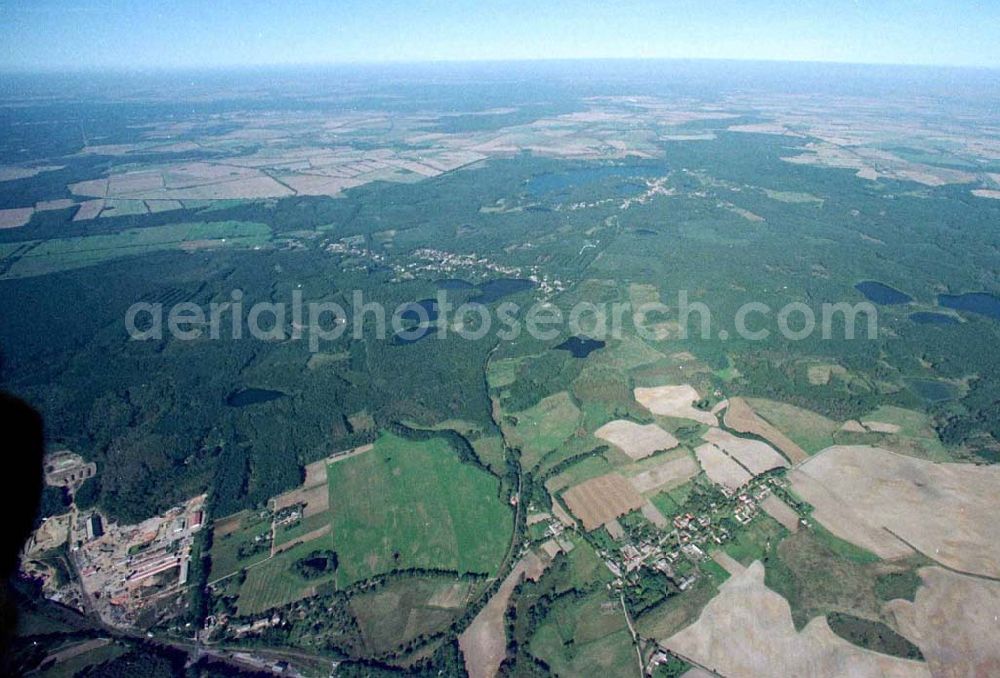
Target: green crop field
225,552
274,583
60,254
410,504
586,636
544,427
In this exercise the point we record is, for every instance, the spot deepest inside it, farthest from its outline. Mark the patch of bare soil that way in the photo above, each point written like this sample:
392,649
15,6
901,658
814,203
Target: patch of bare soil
747,630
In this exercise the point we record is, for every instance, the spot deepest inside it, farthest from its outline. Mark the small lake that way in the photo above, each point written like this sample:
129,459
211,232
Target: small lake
580,347
933,391
973,302
413,321
412,311
252,396
561,182
494,290
454,284
882,294
929,318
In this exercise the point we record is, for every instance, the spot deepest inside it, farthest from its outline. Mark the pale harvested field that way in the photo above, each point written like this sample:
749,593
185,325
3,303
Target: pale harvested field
881,427
484,642
819,375
559,512
740,417
636,440
953,621
316,499
538,518
728,563
986,193
668,474
59,204
947,511
13,172
755,455
853,426
721,468
163,205
307,537
314,491
782,512
653,515
602,499
450,597
89,210
18,216
674,401
228,525
133,182
747,630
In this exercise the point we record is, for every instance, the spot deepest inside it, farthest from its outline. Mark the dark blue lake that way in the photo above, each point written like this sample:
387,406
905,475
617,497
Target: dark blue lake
933,391
412,311
454,284
580,347
494,290
417,317
882,294
252,396
928,318
973,302
560,182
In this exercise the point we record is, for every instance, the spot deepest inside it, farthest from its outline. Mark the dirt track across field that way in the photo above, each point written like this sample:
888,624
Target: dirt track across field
740,417
721,468
755,455
867,495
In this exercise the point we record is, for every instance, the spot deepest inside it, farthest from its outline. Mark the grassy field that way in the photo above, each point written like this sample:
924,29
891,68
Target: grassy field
916,436
412,504
676,612
500,373
275,582
407,607
817,579
811,431
490,451
225,548
60,254
586,637
544,427
754,541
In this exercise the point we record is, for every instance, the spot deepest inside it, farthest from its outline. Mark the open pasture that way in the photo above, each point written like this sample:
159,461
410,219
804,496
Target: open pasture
413,504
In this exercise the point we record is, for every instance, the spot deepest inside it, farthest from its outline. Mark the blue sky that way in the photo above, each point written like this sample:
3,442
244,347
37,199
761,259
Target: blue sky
110,34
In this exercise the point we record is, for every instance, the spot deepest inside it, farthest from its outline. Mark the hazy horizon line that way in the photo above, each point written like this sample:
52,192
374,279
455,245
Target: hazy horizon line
63,69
